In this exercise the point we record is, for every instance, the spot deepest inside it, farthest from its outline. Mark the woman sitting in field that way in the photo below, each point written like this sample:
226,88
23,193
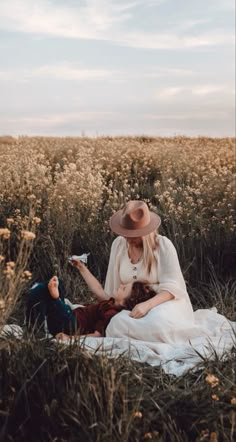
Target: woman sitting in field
47,300
138,254
141,253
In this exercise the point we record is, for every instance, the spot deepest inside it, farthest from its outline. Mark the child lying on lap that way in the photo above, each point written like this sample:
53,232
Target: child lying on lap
90,320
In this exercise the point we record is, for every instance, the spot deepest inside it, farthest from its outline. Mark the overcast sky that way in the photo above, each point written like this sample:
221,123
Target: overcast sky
117,67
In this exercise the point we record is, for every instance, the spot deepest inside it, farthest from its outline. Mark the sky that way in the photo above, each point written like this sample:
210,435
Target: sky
117,67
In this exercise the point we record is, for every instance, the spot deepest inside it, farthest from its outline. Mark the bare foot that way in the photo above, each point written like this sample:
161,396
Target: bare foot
53,287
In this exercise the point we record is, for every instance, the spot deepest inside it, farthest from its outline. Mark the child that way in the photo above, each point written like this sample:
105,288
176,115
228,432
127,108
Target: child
90,320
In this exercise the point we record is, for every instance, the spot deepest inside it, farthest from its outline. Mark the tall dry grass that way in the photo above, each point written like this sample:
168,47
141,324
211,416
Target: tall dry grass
74,185
65,394
77,183
16,245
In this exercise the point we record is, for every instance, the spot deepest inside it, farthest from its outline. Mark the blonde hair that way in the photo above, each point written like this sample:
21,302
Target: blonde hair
150,243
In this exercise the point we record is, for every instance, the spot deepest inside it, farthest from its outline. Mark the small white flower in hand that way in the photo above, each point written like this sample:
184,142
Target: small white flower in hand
77,264
83,258
140,310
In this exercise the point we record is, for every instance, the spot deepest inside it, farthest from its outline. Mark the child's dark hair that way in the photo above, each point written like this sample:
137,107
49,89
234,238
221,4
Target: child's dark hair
141,292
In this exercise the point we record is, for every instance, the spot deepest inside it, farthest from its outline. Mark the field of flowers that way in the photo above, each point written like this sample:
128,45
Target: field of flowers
56,197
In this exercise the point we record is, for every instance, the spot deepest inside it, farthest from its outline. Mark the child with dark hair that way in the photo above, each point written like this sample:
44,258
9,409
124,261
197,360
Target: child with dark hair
47,300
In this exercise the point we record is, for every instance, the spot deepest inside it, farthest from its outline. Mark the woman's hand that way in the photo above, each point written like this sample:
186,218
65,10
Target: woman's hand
78,264
143,308
140,310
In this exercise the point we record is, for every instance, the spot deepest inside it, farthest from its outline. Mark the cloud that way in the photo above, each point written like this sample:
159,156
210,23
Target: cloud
191,23
216,114
47,17
68,72
57,119
73,72
57,123
171,41
99,20
90,19
204,90
208,90
61,71
224,5
183,122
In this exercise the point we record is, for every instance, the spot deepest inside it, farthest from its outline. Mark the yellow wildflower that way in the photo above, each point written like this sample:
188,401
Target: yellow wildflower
27,274
212,380
32,197
204,434
148,435
27,235
10,264
36,220
9,272
2,304
5,233
213,437
138,414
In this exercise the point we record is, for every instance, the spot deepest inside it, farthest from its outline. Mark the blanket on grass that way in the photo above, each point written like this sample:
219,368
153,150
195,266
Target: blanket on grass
177,347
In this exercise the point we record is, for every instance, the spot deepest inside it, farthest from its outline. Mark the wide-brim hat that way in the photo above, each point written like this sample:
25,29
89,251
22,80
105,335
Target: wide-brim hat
134,219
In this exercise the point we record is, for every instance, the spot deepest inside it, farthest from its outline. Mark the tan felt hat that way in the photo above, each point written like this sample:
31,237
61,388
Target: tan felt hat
135,219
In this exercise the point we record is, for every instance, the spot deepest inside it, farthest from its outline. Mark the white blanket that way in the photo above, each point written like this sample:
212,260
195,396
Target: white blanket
164,337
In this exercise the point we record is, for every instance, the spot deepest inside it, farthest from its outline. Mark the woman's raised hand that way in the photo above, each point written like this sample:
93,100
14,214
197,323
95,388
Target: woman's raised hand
78,264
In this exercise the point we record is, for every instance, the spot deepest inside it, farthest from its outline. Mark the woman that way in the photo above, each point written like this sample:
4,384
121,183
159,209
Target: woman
140,252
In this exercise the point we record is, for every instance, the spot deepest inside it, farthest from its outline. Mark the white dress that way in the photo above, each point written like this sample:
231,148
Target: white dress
172,322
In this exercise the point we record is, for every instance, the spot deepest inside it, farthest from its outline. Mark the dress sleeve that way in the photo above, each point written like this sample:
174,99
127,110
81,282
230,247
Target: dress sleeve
170,275
113,275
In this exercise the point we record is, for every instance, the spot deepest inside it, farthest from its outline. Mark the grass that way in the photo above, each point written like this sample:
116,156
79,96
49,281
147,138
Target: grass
64,190
67,394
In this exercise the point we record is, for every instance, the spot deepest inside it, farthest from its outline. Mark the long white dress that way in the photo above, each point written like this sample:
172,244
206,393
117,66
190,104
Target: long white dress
172,325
